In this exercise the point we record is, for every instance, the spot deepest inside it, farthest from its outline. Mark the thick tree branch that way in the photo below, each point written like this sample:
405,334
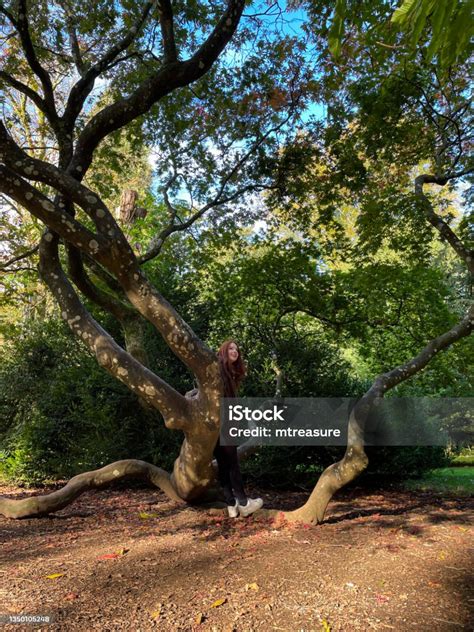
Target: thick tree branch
181,339
388,380
34,169
167,31
109,354
79,276
35,506
52,215
32,59
168,78
115,254
355,460
105,276
83,87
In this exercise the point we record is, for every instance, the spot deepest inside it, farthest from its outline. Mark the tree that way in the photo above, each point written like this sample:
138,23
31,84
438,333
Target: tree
76,216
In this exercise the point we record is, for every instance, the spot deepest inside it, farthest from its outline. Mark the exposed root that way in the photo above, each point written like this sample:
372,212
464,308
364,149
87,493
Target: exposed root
41,505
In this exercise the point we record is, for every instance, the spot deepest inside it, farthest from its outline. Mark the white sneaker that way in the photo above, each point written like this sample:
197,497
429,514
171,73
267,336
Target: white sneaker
233,510
253,504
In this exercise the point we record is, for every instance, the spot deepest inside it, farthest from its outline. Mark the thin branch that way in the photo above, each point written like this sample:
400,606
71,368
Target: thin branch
7,13
157,243
32,59
24,255
445,231
26,90
73,41
21,269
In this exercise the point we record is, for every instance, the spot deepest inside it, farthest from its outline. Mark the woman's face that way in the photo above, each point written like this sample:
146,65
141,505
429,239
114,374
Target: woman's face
232,352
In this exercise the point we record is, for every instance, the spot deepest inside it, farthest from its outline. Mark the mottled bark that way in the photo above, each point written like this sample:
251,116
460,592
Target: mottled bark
108,248
355,460
36,506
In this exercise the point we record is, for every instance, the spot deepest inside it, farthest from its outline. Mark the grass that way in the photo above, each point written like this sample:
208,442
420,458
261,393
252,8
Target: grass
458,480
464,459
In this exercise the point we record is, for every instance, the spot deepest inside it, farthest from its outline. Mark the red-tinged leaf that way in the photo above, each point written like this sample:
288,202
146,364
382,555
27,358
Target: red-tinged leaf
434,584
381,598
108,556
71,596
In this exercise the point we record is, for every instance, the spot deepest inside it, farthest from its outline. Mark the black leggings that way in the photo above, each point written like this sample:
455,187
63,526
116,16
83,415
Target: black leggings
230,476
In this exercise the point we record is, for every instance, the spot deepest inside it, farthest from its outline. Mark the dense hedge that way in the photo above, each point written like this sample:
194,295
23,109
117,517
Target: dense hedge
61,414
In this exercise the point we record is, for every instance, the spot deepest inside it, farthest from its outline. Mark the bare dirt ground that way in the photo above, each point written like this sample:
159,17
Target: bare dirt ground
128,559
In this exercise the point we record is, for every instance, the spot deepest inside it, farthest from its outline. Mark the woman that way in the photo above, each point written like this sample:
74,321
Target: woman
233,371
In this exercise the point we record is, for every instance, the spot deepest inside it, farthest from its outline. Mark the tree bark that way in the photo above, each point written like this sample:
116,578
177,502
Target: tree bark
36,506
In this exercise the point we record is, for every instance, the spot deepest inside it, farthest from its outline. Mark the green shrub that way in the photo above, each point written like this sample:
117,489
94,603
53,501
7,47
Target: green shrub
61,414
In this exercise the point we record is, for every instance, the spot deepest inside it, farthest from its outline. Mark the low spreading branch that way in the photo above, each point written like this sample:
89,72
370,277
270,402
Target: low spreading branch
355,460
36,506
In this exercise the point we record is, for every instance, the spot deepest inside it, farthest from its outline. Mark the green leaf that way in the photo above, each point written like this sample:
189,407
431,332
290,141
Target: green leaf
437,24
401,15
337,29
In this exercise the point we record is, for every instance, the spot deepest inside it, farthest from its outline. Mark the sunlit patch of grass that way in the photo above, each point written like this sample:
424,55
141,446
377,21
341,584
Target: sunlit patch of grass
458,480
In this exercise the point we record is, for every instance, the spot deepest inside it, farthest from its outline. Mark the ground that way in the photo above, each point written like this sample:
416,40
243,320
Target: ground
128,559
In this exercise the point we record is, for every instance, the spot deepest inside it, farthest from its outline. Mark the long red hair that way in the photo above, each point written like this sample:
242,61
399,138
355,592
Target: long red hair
232,372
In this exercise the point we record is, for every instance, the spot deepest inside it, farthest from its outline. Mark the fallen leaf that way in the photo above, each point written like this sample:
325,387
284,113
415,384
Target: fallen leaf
218,602
71,596
253,586
381,598
145,516
54,576
156,613
199,618
108,556
325,626
122,551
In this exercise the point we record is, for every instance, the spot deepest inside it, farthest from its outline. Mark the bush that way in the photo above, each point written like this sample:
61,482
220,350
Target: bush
61,414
